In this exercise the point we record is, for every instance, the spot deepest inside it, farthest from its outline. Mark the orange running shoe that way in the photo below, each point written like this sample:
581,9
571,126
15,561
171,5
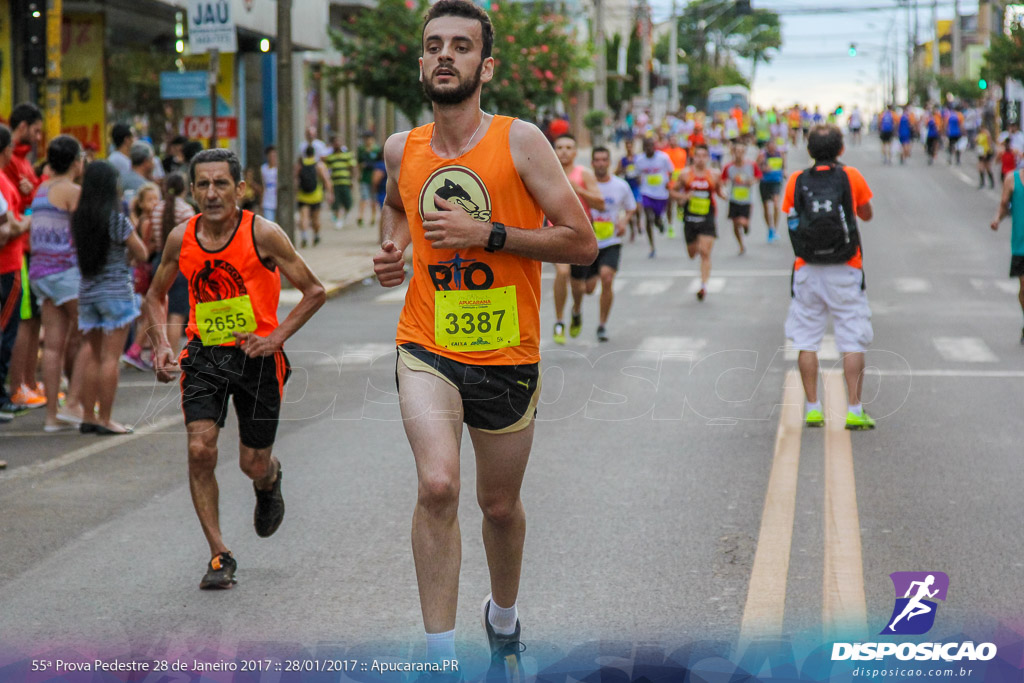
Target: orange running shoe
28,398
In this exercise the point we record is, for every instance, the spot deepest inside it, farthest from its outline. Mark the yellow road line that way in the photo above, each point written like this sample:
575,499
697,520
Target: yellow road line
766,595
844,607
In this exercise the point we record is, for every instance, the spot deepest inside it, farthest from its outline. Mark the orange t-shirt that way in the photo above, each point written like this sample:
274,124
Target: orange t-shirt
484,181
677,155
861,196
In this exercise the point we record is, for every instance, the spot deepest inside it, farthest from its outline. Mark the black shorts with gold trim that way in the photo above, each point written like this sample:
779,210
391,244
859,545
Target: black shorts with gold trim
495,398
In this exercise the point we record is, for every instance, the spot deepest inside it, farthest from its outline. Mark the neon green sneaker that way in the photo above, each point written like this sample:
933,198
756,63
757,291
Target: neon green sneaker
560,333
814,418
576,325
859,422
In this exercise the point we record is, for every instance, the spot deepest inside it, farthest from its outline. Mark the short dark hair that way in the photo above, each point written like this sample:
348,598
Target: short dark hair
699,145
568,136
599,148
310,151
825,143
26,112
179,140
269,149
119,133
213,156
190,149
467,10
62,151
5,138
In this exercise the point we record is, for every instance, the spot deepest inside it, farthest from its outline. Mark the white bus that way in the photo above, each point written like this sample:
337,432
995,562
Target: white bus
724,98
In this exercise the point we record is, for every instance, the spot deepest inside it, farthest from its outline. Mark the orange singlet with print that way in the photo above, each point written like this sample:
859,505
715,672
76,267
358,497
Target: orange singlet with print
470,305
229,290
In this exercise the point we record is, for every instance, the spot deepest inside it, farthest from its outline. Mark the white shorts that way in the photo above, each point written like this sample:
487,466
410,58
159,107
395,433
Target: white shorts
820,291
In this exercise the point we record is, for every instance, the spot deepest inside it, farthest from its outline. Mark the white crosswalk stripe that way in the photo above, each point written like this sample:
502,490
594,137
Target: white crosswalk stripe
652,287
828,350
964,350
912,285
715,285
395,295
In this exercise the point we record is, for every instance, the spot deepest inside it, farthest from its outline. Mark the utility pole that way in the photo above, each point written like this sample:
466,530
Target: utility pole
645,50
910,54
956,39
213,72
673,61
285,134
935,40
601,65
54,19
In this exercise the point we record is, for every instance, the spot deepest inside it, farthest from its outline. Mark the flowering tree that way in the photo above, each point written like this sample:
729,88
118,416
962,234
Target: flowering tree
536,60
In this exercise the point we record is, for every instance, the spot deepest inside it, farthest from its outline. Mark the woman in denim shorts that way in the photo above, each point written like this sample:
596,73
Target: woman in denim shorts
53,273
104,239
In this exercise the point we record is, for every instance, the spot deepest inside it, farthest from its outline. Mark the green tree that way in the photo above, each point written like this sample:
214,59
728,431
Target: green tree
1005,57
536,59
380,50
622,88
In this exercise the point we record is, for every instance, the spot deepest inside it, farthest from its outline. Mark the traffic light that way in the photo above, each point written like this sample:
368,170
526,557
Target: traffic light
982,84
35,40
839,111
853,49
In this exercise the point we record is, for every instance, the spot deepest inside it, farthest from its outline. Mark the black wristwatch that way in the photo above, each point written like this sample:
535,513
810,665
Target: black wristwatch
497,238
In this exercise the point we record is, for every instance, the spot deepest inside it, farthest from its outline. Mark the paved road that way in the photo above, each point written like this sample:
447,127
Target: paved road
658,456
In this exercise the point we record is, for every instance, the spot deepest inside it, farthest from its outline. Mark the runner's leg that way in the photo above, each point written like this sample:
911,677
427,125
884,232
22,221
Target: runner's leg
705,243
501,463
561,286
202,480
607,292
853,369
432,416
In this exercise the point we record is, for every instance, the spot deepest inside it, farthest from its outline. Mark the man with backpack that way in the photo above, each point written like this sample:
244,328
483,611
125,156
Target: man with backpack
886,128
823,203
313,180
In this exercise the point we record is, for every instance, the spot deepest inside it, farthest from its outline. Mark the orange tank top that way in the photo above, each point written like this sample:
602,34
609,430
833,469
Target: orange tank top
484,182
234,271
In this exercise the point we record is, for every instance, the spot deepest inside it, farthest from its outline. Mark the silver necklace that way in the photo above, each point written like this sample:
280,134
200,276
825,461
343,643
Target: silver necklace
468,142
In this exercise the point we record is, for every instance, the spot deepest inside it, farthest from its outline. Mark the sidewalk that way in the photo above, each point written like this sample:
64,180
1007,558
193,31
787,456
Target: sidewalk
342,259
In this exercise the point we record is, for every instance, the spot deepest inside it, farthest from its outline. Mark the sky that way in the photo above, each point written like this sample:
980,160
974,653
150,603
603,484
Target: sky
814,66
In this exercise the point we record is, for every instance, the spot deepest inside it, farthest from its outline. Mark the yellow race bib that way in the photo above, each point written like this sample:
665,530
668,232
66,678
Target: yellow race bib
476,320
604,230
774,163
219,320
699,206
741,193
655,179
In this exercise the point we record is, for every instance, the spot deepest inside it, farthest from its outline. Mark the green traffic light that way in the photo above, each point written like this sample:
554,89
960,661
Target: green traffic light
982,84
853,49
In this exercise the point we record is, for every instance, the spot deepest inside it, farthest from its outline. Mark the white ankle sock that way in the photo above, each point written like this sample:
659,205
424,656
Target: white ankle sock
857,409
441,646
502,619
812,406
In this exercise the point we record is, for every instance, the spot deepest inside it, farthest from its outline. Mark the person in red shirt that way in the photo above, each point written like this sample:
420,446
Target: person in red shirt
1007,159
26,133
12,229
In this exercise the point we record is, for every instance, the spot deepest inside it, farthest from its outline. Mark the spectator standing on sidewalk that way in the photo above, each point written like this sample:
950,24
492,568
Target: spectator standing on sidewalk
368,155
313,182
342,164
13,226
268,173
104,239
123,138
164,220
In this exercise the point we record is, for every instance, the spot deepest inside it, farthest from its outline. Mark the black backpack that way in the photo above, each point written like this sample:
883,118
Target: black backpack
826,227
307,178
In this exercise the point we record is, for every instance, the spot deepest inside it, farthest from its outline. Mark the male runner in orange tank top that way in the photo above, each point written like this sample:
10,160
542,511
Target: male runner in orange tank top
233,260
470,193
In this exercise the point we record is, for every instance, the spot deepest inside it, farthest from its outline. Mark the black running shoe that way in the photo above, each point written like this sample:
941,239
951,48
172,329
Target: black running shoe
701,293
506,663
220,573
269,508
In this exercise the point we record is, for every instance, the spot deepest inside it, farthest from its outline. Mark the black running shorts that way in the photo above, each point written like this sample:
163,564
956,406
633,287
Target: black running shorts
1017,266
739,210
209,374
495,398
607,256
692,229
